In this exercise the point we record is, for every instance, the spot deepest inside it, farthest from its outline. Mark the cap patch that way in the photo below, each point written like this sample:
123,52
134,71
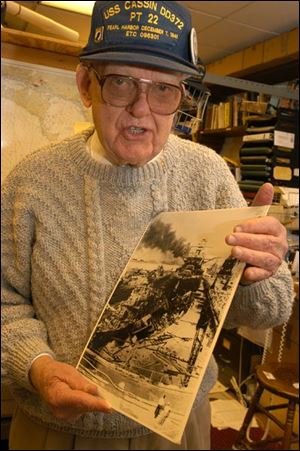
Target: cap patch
130,22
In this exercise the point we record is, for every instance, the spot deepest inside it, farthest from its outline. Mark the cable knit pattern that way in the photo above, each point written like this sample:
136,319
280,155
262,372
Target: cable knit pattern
95,247
69,226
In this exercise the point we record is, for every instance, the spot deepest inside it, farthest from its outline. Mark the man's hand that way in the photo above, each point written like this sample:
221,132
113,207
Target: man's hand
67,393
261,242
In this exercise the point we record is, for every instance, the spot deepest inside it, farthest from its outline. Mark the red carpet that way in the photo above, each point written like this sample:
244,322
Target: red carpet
224,439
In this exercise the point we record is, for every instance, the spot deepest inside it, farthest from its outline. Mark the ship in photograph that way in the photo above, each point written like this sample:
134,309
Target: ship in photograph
150,347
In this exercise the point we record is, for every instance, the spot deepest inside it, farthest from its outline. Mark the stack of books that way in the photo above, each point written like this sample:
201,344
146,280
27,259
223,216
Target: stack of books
286,146
256,155
268,153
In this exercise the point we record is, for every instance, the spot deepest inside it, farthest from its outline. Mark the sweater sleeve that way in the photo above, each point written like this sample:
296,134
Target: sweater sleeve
23,335
263,304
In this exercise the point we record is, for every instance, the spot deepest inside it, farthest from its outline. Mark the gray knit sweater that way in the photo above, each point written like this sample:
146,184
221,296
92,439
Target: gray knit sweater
69,226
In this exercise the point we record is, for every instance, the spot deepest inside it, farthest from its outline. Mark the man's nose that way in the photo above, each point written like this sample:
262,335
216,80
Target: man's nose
140,106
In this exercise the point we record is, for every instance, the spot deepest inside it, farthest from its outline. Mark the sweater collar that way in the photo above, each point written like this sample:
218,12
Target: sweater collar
96,151
119,175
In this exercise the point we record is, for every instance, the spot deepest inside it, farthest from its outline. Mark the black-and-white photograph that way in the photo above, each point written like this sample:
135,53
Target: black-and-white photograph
152,343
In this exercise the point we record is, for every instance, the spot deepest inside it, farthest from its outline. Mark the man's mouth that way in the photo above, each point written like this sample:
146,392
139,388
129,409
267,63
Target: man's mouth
136,130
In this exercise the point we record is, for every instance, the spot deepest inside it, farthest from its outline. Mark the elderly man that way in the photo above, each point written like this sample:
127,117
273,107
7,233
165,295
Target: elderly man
73,214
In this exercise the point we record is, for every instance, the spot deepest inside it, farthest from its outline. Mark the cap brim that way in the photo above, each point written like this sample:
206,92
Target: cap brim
142,59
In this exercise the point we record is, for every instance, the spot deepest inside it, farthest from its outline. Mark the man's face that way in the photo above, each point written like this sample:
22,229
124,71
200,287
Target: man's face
131,135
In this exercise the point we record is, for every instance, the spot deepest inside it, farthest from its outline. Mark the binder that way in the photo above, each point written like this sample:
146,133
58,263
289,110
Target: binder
259,150
250,185
252,182
262,129
259,137
255,159
262,175
255,167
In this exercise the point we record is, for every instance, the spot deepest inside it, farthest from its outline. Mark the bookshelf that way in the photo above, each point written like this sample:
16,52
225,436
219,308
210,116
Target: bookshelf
228,117
269,152
228,131
257,134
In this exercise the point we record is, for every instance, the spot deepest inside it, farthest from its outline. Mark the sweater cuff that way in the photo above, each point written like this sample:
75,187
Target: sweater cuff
25,354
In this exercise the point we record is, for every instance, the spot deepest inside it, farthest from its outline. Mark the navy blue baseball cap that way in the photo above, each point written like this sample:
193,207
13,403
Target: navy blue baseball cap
144,33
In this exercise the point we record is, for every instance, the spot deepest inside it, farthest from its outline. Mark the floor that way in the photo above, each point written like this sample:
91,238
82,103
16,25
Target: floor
220,440
223,439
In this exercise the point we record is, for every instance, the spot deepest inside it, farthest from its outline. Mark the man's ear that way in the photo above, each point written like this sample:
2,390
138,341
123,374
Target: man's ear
84,84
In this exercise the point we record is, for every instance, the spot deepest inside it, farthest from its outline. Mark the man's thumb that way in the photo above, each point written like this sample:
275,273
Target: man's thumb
264,195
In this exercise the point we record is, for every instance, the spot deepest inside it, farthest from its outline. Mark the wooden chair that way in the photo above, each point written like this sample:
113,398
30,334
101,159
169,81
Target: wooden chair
279,379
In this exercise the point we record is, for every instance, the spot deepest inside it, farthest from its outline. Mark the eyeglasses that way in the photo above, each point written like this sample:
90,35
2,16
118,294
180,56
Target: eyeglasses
122,91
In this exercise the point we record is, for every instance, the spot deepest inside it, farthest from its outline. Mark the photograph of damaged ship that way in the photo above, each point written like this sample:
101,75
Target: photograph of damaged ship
156,334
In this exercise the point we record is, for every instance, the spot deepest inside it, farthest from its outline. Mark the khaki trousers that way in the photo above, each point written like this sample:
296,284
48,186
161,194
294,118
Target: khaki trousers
25,434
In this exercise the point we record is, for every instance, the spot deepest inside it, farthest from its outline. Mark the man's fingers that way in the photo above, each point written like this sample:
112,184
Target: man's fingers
265,243
254,274
264,195
267,261
75,380
85,402
91,389
73,403
267,225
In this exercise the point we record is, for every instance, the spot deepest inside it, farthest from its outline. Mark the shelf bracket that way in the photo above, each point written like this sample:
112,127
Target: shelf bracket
247,85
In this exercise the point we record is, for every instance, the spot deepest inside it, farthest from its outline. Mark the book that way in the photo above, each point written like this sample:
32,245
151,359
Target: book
283,149
262,175
261,150
261,129
282,160
248,185
158,329
257,183
259,137
261,159
255,167
255,159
